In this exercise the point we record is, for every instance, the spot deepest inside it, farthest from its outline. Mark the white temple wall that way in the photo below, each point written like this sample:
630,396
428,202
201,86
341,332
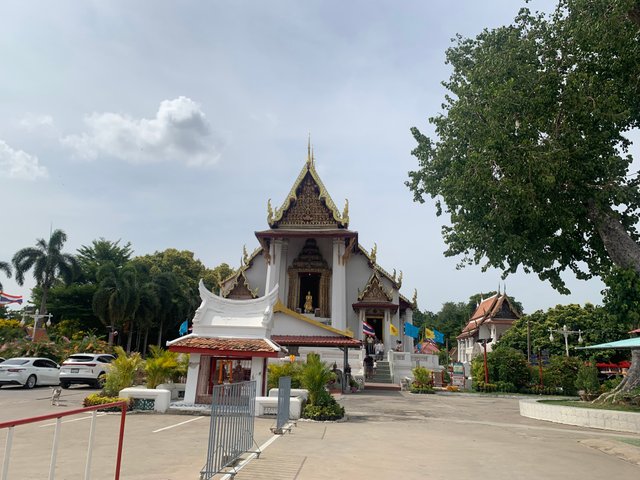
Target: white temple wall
256,274
358,272
286,325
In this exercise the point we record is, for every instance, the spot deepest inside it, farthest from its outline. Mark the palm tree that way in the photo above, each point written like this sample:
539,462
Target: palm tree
6,268
117,298
48,262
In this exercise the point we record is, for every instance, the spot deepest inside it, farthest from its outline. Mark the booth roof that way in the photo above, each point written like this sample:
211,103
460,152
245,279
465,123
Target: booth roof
260,346
316,341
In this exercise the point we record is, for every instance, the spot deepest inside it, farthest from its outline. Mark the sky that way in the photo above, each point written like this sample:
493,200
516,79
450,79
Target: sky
171,124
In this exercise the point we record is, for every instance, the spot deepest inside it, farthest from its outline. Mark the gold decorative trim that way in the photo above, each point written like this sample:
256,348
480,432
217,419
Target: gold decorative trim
280,307
374,290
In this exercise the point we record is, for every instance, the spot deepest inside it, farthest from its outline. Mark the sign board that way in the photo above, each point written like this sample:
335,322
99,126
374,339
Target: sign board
457,378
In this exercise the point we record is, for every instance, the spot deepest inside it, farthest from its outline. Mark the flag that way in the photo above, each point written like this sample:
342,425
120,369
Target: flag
429,333
411,330
368,329
6,299
393,329
439,336
184,327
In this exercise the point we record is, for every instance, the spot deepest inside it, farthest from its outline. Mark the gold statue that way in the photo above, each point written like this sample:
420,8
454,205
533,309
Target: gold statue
308,303
374,253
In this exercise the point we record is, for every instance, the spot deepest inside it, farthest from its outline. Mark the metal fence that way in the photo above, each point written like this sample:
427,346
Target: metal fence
11,425
231,428
284,403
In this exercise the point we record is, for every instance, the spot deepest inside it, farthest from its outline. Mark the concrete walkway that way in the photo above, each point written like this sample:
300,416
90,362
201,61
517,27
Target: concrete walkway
444,436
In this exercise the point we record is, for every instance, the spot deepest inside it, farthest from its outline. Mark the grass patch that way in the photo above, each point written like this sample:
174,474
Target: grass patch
596,406
631,441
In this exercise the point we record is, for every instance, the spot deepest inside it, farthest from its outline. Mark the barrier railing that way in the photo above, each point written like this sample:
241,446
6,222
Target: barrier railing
231,427
284,403
10,425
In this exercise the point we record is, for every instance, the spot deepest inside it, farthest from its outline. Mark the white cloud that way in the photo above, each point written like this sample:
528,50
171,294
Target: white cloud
179,132
19,164
36,120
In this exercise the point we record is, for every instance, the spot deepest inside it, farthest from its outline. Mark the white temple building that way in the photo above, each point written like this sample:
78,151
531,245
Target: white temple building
316,286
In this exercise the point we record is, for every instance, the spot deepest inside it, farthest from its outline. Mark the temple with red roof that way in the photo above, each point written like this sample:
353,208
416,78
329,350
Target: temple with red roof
492,317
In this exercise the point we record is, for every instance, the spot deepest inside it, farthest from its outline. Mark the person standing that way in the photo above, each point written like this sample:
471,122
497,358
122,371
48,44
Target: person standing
369,342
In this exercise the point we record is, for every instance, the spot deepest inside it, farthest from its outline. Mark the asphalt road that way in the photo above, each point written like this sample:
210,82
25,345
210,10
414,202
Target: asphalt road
387,435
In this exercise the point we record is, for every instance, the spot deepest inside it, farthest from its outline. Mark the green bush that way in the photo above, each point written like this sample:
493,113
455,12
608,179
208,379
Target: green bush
122,372
11,330
587,379
284,369
561,373
508,365
325,408
314,377
422,378
97,399
161,366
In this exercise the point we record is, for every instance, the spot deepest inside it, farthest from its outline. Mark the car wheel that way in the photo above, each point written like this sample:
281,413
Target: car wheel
64,385
31,382
102,379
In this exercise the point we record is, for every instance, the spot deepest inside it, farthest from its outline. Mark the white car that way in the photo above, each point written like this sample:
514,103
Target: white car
29,372
85,368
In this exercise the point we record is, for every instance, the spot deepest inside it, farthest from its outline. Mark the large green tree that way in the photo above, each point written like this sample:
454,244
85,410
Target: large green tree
99,253
48,262
530,158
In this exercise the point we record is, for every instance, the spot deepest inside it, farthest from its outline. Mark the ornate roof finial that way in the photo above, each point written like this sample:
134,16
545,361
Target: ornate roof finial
374,253
309,154
269,212
245,256
498,288
414,300
394,274
345,211
399,279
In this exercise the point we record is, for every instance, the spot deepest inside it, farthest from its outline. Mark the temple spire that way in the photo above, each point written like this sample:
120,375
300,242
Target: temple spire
309,154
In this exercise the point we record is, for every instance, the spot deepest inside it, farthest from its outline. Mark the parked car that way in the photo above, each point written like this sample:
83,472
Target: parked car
1,359
29,372
85,368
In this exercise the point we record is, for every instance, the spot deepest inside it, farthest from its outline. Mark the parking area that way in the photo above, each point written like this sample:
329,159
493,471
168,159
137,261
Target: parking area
387,435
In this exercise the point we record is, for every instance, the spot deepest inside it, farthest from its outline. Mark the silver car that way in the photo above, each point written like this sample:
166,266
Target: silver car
29,372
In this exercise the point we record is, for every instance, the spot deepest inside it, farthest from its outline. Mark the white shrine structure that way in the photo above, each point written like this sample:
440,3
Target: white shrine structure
308,286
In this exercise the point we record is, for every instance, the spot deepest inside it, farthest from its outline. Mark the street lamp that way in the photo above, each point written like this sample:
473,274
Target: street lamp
36,318
565,333
484,342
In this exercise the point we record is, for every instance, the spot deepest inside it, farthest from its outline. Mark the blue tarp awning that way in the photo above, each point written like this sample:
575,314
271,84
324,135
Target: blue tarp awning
628,343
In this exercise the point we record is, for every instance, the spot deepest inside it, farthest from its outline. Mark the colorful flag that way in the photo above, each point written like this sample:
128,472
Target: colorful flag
429,333
6,299
184,327
368,329
439,336
411,330
393,329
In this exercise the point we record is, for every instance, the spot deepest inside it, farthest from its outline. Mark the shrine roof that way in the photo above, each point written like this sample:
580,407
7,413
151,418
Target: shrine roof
490,310
319,210
316,341
261,347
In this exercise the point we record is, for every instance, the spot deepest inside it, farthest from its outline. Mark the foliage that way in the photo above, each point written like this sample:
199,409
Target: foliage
27,348
505,366
48,263
161,366
622,297
83,342
101,251
122,371
587,379
325,408
284,369
6,268
10,330
596,324
71,302
180,373
531,159
422,380
314,377
561,373
97,399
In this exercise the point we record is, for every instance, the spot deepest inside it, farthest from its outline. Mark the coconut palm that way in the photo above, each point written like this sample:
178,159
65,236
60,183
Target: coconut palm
117,298
6,268
48,262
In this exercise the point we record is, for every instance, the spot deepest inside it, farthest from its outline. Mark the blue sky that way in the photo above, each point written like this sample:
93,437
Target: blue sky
170,124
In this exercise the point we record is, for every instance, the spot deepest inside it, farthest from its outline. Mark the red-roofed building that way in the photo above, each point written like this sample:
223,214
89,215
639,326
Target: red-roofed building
492,317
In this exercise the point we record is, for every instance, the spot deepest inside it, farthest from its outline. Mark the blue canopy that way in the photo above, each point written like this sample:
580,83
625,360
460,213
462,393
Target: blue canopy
628,343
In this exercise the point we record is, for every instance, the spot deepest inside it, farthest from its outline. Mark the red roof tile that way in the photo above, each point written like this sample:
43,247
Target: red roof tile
225,344
316,341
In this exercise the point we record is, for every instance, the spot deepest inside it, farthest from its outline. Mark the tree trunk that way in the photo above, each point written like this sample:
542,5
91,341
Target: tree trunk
629,382
623,251
43,302
112,327
129,338
160,332
146,340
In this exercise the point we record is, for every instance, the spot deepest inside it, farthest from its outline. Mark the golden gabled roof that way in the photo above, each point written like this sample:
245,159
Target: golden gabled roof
245,263
341,220
374,290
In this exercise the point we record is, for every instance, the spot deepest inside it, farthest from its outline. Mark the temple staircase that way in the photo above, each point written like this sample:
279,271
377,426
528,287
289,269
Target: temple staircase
381,379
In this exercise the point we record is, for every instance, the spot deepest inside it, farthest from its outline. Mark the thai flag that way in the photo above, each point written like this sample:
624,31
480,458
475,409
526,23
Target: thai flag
368,329
6,299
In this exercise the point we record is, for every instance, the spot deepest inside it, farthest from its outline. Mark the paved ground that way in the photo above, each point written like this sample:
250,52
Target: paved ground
388,435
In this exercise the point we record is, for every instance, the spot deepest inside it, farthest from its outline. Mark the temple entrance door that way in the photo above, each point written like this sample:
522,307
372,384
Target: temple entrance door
378,325
309,284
